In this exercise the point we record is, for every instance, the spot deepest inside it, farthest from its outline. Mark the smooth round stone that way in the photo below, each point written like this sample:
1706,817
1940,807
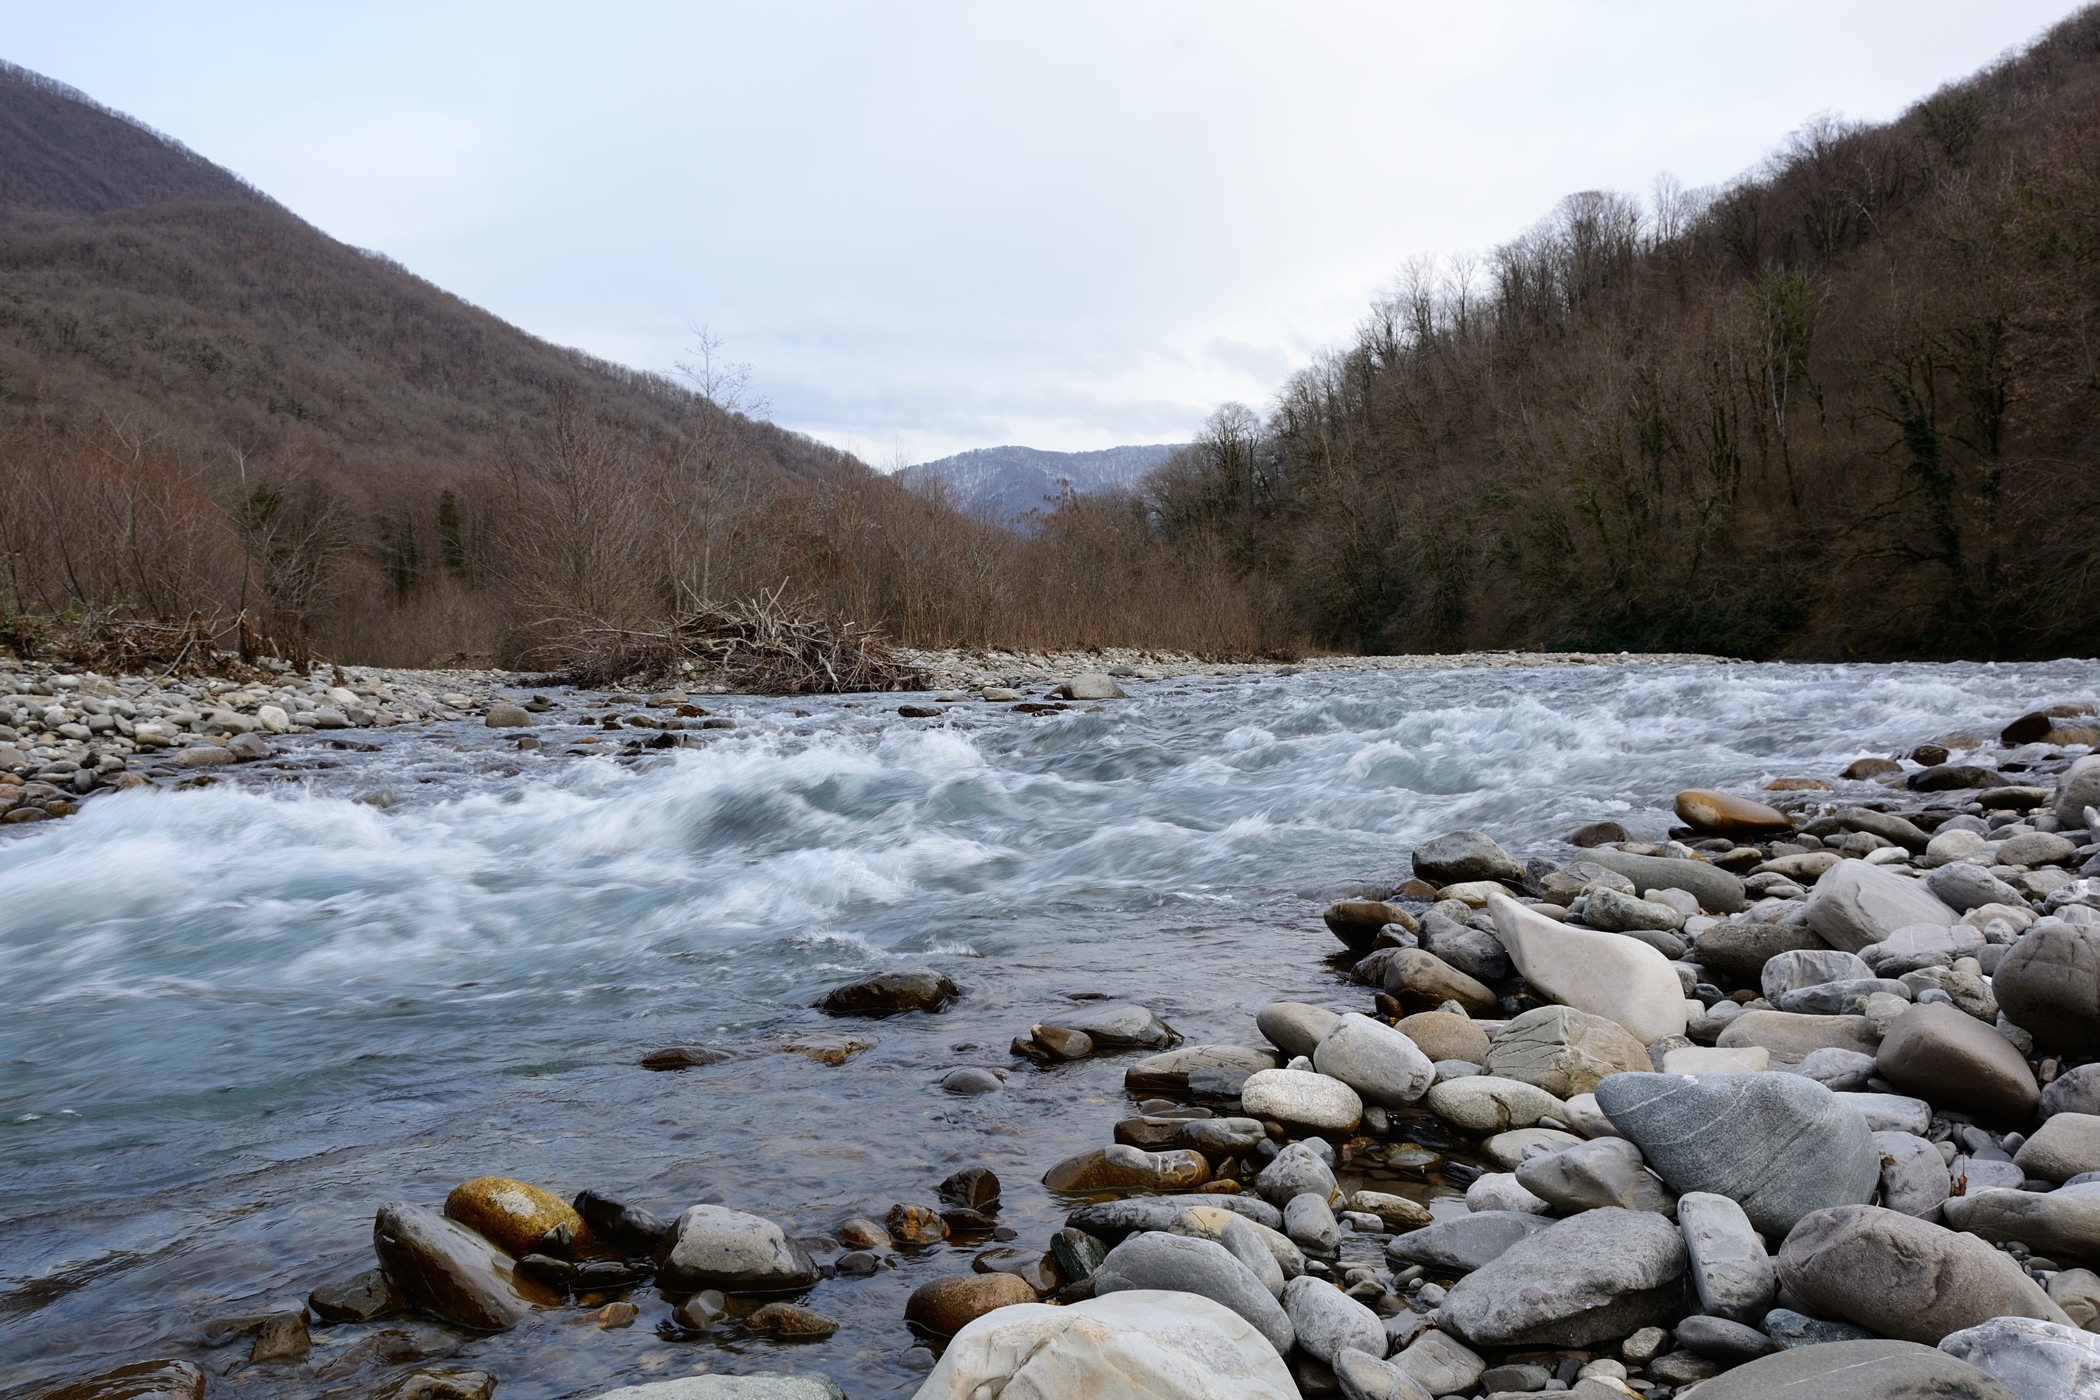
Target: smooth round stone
1956,1061
1808,967
1739,949
1725,1258
1421,974
1914,1176
1840,1071
2048,984
1465,1242
716,1247
1903,1277
1701,1059
1269,1254
1295,1027
1115,1025
1589,1175
1856,1370
1298,1098
1604,975
1714,887
1461,856
2064,1146
1595,1276
516,1216
1153,1261
1614,911
1858,904
1502,1191
1440,1364
1445,1035
890,993
1358,922
1113,1221
944,1306
2073,1091
1486,1103
1383,1066
1169,1072
972,1081
1512,1148
1722,814
1297,1170
1328,1322
2062,1224
1778,1144
447,1269
1891,1113
1393,1212
1310,1224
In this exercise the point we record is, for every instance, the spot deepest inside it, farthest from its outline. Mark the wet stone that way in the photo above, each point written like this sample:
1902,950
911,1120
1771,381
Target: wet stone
889,993
361,1298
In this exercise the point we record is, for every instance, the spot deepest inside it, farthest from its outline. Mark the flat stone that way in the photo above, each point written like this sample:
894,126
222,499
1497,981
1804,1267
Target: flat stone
716,1247
1956,1061
1154,1261
1115,1025
1460,856
2059,1224
1914,1177
1886,1113
2041,1360
888,993
1738,949
1520,1144
1564,885
1840,1071
1887,825
1701,1059
447,1269
1856,1370
1113,1221
1903,1277
1294,1027
1123,1168
1793,1036
1465,1242
1962,887
1712,886
1721,1340
1857,904
1722,814
2074,1091
1606,1172
1487,1103
1169,1072
1620,979
1779,1145
1592,1277
1301,1099
1807,967
361,1298
1564,1051
1159,1345
1920,946
1441,1364
1501,1191
1614,911
1725,1259
1383,1066
1268,1254
2048,984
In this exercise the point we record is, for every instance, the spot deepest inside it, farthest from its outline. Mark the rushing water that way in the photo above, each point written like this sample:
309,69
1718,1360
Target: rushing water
237,1018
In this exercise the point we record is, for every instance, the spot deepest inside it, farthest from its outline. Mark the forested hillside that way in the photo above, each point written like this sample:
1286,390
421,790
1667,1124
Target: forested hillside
1846,405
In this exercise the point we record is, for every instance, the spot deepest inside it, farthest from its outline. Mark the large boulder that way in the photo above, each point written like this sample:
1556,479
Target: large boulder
1914,1177
1445,1035
1422,975
1604,974
1792,1036
1730,1272
446,1269
1459,857
1383,1066
2039,1360
2065,1146
1780,1145
1903,1277
1152,1262
716,1247
2048,984
1713,887
1857,904
1599,1275
1294,1027
944,1306
1605,1172
1946,1056
1564,1051
1864,1370
1142,1344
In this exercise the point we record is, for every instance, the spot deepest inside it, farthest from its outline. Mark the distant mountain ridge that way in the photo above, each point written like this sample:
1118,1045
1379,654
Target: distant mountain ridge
1006,484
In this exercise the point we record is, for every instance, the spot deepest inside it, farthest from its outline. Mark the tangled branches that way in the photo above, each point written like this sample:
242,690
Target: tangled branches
767,644
132,645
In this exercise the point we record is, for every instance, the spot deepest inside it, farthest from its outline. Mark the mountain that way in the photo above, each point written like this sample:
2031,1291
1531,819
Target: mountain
141,284
1008,484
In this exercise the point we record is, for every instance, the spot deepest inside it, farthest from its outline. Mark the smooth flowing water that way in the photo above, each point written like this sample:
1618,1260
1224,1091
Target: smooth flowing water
238,1018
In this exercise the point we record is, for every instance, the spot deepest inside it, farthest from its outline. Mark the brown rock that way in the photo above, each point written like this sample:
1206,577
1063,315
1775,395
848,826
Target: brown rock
976,1188
441,1385
2048,984
1357,921
1791,1036
282,1337
1722,814
147,1380
864,1234
1953,1060
1121,1168
614,1316
909,1224
2034,726
1798,785
1862,768
947,1305
790,1323
368,1295
1414,973
1564,1051
518,1217
1055,1043
1903,1277
889,993
682,1057
1038,1269
1595,834
447,1269
1445,1035
830,1049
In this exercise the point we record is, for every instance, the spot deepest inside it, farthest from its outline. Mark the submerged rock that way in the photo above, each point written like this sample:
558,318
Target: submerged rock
888,993
944,1306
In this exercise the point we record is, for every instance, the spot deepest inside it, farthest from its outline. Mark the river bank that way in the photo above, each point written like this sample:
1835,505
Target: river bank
1175,849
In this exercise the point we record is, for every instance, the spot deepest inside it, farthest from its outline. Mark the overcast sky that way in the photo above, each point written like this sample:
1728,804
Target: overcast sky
930,227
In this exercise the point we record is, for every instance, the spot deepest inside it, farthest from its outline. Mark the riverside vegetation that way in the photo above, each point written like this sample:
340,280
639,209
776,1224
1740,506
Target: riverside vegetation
1803,1101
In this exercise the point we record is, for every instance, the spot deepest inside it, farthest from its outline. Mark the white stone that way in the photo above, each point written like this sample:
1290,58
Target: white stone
1606,974
274,719
1303,1099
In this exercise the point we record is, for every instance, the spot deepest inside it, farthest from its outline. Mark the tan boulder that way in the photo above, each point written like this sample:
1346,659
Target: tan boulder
1446,1035
1723,814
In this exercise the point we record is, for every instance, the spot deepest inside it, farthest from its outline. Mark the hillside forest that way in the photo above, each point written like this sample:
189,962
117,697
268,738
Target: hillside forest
1847,405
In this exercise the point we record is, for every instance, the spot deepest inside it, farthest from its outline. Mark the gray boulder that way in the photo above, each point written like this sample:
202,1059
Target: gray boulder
1299,1169
1712,886
1294,1027
1465,1242
1204,1267
2078,789
1363,1376
2037,1360
1114,1025
1466,948
1887,825
1328,1321
1857,904
1381,1064
1726,1261
2073,1091
1779,1145
1595,1276
1840,1071
447,1269
1441,1364
2063,1224
1856,1370
1921,946
1738,949
2048,984
1903,1277
1459,857
2065,1146
1113,1220
1962,887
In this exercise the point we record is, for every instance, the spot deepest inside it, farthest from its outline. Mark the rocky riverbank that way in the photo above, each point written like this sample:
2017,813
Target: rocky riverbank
1802,1101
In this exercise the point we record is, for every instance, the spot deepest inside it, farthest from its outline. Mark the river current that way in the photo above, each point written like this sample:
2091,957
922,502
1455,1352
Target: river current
237,1018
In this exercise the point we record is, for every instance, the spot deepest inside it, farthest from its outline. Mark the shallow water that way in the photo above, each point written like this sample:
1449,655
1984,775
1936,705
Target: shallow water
237,1018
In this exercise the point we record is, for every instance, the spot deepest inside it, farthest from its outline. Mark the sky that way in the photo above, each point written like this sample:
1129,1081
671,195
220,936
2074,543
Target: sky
928,227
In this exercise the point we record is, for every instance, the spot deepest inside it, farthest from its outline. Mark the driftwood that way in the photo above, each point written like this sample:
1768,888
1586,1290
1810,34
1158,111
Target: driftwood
132,645
768,644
